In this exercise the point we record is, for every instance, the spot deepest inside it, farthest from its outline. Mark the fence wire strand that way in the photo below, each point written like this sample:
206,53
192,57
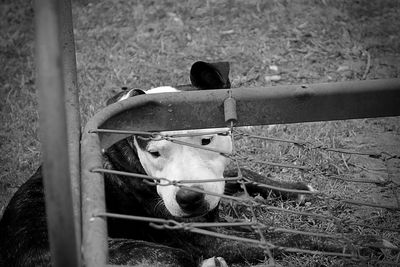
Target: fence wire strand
253,204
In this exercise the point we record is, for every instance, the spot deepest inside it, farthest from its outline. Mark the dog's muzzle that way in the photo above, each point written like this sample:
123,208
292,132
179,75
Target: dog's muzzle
192,202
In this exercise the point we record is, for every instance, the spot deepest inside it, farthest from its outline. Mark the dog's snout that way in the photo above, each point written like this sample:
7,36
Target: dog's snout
189,200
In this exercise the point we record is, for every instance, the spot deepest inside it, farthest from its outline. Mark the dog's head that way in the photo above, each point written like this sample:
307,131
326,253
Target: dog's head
177,162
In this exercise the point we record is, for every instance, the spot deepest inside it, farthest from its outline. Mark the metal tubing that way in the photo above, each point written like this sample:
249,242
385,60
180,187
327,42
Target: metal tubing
94,229
72,108
255,106
205,109
53,131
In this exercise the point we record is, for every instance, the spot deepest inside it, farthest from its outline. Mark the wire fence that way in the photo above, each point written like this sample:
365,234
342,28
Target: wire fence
255,205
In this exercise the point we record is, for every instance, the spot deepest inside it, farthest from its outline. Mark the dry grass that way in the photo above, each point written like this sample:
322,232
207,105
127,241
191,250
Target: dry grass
19,144
341,134
149,43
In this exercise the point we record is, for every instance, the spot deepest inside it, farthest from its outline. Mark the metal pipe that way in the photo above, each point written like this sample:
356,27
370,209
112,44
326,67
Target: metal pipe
205,109
72,108
94,229
53,132
254,106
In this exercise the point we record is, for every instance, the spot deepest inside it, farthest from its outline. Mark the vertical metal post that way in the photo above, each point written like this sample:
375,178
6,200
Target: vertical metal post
72,107
53,132
94,235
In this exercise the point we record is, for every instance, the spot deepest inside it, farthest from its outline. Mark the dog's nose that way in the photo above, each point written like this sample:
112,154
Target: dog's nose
189,200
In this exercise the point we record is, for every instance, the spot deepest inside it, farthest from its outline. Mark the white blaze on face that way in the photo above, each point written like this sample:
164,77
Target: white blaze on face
157,90
180,162
162,89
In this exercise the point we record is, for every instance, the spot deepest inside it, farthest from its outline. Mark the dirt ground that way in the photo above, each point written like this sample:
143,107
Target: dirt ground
144,44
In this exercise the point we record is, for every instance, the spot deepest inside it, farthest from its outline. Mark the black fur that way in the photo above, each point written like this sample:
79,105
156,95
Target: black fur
210,75
23,227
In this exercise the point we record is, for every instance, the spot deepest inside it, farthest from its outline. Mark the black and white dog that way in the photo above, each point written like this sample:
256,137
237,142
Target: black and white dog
23,231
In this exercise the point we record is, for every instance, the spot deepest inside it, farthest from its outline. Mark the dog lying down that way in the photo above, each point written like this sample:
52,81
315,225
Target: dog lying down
23,231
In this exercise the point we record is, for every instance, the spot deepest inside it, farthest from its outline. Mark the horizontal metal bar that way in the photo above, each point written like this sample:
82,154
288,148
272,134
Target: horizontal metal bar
186,133
134,218
255,106
126,132
268,138
170,182
172,224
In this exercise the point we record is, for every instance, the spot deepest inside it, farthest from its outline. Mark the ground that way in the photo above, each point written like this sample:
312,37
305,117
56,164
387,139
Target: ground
143,44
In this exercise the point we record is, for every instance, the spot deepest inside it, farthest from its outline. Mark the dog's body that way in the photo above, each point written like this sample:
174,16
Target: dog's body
23,231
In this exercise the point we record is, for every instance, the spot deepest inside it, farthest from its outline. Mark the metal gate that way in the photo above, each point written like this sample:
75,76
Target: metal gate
60,129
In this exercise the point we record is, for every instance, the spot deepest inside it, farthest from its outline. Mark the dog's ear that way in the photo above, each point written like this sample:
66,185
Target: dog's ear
205,75
124,95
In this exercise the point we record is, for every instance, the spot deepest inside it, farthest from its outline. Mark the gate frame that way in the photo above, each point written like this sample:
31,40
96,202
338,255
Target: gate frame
60,128
205,109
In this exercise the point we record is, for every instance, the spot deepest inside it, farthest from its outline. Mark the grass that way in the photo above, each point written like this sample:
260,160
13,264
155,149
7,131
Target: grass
18,108
149,43
341,134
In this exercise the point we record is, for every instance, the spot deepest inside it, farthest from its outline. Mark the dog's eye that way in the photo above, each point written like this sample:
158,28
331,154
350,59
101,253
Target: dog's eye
155,154
206,141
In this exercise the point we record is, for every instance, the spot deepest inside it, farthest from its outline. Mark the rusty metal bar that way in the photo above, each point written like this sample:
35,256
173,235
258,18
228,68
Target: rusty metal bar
255,106
53,131
72,108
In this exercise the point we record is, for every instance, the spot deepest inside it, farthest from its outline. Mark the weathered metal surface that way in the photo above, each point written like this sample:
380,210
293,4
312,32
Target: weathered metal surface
94,229
53,131
72,108
254,106
205,109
